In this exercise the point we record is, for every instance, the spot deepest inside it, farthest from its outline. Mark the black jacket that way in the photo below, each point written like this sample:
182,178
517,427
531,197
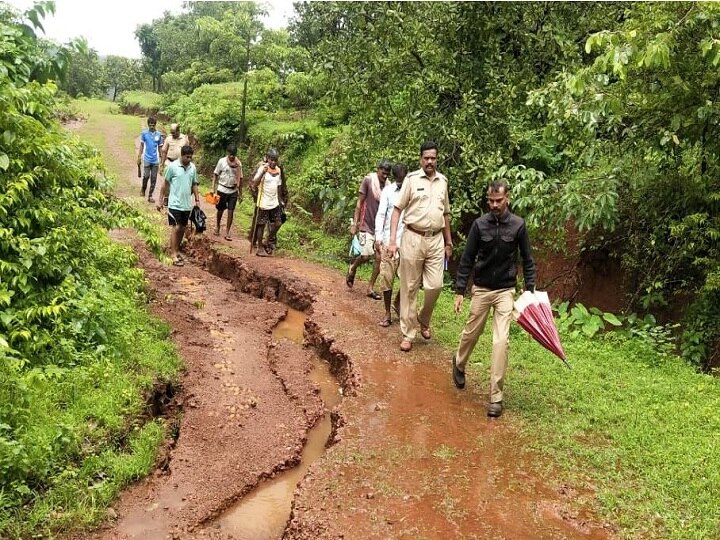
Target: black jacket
492,248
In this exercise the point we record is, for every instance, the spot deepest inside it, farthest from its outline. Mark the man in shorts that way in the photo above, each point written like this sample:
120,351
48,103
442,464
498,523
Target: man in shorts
389,265
227,183
364,225
181,184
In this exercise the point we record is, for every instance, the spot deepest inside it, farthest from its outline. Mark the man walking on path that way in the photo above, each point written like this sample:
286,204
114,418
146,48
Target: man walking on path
492,248
149,154
364,225
172,146
272,196
389,265
227,183
426,242
181,181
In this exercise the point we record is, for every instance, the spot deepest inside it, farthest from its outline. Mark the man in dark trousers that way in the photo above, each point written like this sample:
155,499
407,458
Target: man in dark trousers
492,248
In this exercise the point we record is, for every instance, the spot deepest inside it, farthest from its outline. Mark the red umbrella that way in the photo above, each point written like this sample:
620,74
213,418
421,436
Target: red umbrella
534,314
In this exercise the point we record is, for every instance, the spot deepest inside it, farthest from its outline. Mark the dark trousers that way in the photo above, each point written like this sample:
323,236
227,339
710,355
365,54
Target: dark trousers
149,171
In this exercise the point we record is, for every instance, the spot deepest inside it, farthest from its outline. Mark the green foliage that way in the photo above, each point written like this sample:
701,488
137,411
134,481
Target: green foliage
78,351
85,72
122,74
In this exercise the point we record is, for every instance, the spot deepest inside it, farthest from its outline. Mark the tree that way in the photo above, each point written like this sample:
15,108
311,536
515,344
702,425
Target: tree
122,74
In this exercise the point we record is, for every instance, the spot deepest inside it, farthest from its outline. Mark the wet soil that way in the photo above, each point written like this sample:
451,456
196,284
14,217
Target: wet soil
406,455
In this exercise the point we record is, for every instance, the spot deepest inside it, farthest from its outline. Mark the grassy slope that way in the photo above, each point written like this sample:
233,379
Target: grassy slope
101,403
639,427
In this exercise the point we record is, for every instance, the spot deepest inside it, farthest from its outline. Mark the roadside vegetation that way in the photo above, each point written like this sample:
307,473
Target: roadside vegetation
79,354
602,116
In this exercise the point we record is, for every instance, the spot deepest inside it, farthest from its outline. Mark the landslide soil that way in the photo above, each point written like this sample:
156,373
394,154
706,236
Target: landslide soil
410,456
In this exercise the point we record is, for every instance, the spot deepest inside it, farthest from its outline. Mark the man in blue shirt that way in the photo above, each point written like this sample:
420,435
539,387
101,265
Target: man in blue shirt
181,181
150,142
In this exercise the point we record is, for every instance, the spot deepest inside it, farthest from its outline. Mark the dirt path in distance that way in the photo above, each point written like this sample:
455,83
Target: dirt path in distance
408,456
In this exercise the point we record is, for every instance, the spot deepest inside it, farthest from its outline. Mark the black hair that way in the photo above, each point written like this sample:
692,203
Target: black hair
496,186
428,145
232,149
151,120
186,150
399,170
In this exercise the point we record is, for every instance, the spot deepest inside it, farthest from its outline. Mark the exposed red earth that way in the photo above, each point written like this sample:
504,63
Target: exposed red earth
405,455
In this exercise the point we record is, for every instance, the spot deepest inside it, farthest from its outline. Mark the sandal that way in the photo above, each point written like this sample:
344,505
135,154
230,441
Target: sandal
425,332
350,279
217,232
373,295
406,345
228,238
385,323
178,262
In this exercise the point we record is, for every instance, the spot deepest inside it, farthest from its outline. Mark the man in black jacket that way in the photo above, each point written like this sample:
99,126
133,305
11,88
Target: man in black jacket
492,248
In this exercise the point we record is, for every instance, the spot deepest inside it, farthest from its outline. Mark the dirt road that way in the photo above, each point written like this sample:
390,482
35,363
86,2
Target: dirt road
408,456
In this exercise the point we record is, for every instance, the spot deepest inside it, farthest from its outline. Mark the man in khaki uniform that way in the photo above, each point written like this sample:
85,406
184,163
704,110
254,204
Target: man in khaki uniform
426,243
173,145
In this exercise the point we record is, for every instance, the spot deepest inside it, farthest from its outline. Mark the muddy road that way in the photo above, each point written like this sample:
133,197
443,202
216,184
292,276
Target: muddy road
299,418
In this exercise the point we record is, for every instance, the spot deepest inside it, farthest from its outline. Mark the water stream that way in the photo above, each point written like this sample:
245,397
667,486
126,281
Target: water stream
263,513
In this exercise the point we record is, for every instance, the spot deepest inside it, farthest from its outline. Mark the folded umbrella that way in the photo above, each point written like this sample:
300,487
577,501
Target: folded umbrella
534,314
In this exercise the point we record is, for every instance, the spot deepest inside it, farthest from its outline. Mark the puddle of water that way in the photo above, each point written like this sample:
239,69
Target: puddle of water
291,327
263,513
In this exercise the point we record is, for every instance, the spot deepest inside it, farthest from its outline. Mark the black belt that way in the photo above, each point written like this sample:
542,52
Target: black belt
171,159
426,234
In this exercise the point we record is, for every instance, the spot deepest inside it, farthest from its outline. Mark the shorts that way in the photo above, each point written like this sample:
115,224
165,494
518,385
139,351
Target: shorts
227,201
367,244
274,215
178,217
388,269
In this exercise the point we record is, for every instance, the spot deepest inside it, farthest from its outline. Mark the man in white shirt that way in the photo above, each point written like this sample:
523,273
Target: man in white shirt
227,184
272,196
172,145
389,264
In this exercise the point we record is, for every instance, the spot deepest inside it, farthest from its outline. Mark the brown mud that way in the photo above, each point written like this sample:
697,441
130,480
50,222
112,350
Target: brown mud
406,455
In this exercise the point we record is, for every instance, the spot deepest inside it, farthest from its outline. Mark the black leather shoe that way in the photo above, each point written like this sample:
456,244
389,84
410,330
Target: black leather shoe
458,376
495,409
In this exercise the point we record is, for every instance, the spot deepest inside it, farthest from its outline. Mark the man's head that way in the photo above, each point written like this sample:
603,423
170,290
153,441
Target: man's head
175,130
498,197
383,169
186,154
151,123
399,172
428,157
231,150
272,157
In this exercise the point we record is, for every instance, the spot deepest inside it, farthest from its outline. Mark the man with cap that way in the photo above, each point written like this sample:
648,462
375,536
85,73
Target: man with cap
173,145
272,197
364,225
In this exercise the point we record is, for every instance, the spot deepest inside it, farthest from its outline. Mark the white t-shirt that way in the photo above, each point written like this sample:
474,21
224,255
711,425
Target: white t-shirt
270,188
227,179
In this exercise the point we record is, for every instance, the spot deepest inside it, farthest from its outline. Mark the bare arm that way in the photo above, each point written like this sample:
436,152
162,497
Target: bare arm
394,220
355,227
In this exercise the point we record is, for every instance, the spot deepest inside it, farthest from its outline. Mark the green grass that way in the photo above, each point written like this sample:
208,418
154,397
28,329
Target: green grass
143,100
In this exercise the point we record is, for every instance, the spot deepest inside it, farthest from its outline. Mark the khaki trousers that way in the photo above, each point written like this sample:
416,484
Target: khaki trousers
501,301
421,258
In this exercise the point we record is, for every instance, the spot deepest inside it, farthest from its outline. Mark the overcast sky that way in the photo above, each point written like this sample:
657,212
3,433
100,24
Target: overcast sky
109,26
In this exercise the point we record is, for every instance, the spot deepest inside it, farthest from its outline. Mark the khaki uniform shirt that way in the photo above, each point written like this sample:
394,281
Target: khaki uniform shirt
173,146
425,201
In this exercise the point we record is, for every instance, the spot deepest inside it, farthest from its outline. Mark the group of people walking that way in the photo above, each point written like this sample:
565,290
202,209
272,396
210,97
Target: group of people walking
401,219
172,157
404,223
